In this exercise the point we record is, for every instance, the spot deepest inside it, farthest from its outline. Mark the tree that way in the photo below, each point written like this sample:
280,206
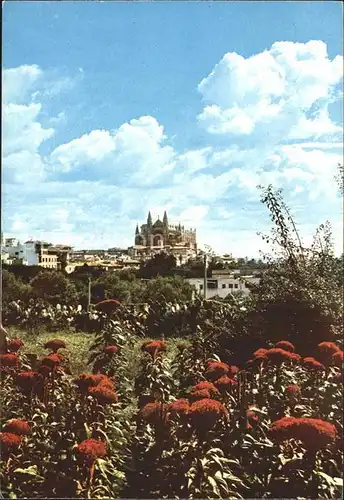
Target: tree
54,287
161,264
114,287
13,288
168,289
299,297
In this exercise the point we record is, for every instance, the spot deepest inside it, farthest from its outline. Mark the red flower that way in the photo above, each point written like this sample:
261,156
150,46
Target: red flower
111,349
252,418
293,391
286,345
89,380
179,407
204,414
9,443
338,358
9,360
13,345
314,433
260,353
278,356
154,346
26,381
225,383
91,449
55,344
233,370
201,394
313,364
16,426
216,369
205,385
154,413
249,363
103,394
52,360
294,357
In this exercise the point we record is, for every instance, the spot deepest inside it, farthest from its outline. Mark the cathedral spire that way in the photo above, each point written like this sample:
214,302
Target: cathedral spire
165,219
137,229
149,220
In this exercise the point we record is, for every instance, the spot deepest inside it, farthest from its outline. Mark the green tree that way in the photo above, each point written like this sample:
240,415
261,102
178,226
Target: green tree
299,296
13,288
161,264
54,287
167,289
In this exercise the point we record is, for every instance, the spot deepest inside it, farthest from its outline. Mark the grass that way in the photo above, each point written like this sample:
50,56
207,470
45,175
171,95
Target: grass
78,345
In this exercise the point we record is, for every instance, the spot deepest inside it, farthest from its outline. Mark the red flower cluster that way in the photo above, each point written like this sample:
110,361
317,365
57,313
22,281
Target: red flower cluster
338,358
9,360
286,345
233,370
91,449
225,384
52,360
13,345
55,344
154,346
259,355
154,413
200,394
16,426
216,369
204,414
314,433
9,443
326,351
103,394
111,349
205,385
26,381
179,407
293,391
85,381
252,418
278,356
313,364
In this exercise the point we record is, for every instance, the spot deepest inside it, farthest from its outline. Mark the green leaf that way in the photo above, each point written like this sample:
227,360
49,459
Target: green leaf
213,484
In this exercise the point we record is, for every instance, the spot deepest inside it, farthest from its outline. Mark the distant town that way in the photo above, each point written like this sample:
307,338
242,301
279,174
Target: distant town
225,274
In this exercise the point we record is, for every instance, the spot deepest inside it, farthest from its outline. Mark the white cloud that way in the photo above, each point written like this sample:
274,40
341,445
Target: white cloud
17,82
92,190
278,86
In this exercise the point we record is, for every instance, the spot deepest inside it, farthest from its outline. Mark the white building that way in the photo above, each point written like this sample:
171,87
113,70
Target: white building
222,286
31,253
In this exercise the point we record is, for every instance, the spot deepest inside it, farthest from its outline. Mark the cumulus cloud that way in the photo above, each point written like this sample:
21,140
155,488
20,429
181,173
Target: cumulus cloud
282,85
92,190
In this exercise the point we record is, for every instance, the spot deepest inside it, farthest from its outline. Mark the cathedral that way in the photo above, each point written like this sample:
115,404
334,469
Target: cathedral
164,236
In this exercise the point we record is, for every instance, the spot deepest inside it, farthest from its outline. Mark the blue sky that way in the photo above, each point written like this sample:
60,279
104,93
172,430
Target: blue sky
112,109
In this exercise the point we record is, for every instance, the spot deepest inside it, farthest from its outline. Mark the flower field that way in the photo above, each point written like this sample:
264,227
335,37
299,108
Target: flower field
149,418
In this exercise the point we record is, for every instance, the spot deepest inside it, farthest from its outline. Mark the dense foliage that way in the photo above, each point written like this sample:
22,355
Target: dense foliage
153,419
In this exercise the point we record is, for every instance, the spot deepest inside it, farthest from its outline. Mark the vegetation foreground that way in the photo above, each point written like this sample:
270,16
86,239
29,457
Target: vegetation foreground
164,419
179,397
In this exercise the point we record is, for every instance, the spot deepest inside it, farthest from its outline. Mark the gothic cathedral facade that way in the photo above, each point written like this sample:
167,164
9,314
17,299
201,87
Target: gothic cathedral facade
164,236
